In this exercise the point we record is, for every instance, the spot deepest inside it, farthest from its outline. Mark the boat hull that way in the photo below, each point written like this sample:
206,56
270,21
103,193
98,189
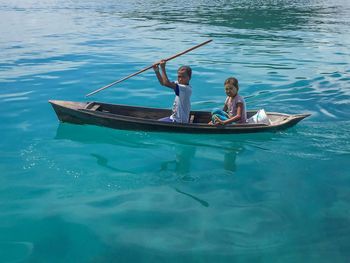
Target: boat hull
146,119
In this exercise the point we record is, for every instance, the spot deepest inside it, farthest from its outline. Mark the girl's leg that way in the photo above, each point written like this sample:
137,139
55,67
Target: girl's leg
218,111
222,115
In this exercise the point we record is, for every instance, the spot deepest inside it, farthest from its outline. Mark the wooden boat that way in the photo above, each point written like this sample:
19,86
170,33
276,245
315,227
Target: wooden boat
146,119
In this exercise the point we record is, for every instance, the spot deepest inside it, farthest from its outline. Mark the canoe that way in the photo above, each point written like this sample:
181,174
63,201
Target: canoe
146,119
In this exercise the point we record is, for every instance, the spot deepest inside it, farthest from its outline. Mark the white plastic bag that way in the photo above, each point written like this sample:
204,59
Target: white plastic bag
260,118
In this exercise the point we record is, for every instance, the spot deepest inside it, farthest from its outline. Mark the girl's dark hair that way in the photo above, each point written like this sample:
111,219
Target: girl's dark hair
187,69
232,81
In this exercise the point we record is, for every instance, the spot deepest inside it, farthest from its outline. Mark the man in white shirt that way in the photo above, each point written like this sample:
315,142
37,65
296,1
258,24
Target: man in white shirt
183,91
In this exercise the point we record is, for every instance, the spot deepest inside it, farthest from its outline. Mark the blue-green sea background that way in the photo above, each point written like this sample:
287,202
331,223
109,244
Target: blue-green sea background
72,193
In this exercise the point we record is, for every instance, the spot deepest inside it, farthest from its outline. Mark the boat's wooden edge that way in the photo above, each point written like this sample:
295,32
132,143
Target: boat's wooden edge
68,104
82,105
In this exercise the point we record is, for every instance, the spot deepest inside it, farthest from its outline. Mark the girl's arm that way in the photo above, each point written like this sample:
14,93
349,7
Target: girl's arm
225,108
234,118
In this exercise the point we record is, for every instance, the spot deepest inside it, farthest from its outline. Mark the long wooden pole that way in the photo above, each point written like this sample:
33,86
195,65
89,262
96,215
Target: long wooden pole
147,68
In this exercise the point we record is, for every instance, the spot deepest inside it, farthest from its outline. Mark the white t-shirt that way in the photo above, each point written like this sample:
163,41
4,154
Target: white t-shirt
182,103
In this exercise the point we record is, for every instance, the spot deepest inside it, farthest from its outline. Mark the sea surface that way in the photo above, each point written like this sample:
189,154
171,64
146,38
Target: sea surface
71,193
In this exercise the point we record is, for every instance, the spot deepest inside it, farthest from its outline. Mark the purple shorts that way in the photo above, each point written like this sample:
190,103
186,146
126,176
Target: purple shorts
166,119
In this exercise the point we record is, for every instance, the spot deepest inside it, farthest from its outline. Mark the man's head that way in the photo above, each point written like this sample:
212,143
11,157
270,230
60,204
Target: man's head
184,74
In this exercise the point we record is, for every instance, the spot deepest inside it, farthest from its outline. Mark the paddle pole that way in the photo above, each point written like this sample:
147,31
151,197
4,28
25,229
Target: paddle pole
147,68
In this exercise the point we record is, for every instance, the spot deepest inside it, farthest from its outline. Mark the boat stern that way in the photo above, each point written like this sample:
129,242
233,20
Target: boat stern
66,110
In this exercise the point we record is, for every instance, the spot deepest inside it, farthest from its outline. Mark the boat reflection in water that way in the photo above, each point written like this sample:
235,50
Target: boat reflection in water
177,156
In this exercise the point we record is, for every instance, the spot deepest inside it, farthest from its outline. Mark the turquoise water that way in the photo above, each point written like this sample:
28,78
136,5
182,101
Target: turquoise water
72,193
